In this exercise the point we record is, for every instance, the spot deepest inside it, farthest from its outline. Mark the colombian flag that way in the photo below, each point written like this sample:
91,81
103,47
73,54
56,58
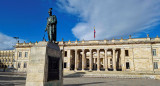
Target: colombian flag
94,33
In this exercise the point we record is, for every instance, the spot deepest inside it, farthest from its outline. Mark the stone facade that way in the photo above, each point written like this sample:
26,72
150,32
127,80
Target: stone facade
133,54
138,54
7,58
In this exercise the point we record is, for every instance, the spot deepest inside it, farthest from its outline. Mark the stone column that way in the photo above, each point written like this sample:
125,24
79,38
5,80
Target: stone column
76,60
106,60
69,59
114,60
98,60
94,63
83,60
109,63
90,61
123,59
132,61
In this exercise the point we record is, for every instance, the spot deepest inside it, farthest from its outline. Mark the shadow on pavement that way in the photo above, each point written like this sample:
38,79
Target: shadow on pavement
11,84
12,80
93,83
76,74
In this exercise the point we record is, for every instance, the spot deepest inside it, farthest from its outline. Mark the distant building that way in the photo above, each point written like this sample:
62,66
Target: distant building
7,58
133,54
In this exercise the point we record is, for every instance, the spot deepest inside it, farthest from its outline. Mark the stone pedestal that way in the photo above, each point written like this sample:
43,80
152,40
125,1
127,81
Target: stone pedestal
45,65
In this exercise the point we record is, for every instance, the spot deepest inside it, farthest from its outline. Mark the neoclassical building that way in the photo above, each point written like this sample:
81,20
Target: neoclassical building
7,58
133,54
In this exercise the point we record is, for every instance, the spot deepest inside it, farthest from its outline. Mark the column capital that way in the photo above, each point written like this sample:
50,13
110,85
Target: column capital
113,48
90,49
75,49
106,49
97,49
122,48
67,49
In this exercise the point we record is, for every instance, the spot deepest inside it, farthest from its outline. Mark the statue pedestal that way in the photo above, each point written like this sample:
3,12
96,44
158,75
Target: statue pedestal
45,65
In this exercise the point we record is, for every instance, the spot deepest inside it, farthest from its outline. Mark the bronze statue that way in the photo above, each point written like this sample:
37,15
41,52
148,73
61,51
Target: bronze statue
51,26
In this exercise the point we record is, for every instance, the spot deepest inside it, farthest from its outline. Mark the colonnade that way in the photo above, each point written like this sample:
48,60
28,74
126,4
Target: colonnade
77,59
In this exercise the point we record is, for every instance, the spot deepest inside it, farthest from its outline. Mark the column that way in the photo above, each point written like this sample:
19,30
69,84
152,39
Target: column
98,60
114,60
109,63
76,60
106,60
90,61
123,59
69,59
94,63
83,59
132,59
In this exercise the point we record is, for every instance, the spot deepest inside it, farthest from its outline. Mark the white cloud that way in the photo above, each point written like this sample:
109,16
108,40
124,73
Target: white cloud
7,42
112,18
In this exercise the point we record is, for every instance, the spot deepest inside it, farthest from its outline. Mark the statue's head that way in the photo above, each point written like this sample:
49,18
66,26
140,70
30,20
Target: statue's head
50,11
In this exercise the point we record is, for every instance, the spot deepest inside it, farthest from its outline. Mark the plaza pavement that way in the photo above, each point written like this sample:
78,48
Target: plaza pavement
15,79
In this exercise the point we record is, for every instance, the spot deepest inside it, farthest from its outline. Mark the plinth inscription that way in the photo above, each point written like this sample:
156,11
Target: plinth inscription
53,68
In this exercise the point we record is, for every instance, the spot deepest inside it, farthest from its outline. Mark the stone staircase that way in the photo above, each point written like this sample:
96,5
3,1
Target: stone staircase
113,74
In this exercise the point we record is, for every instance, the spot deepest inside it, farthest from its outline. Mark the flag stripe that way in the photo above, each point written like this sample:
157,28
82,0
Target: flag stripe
94,33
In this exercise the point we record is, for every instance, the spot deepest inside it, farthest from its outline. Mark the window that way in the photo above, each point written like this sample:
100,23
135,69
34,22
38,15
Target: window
25,65
65,54
6,60
127,65
65,65
155,65
9,60
19,64
20,54
26,54
0,60
154,52
126,53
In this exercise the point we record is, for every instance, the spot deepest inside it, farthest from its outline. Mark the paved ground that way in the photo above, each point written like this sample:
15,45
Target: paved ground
109,82
9,79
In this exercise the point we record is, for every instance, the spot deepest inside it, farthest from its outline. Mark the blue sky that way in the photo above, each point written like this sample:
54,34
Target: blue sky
27,19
